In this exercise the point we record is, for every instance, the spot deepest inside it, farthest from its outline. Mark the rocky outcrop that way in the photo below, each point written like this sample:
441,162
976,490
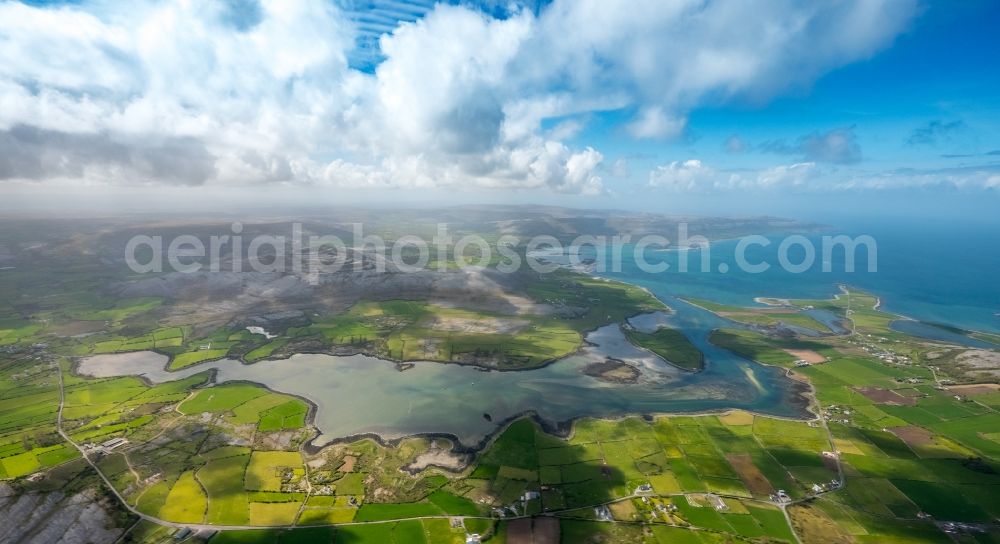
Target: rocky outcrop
44,518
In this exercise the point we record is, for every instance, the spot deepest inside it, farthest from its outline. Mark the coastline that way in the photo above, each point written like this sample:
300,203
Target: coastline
404,364
700,368
562,429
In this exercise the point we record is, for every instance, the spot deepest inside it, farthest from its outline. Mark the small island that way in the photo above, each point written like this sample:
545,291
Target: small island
612,370
670,344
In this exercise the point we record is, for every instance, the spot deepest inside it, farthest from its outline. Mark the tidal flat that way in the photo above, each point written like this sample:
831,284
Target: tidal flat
357,394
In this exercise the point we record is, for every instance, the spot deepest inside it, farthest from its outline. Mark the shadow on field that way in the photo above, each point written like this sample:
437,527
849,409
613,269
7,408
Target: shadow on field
531,473
525,476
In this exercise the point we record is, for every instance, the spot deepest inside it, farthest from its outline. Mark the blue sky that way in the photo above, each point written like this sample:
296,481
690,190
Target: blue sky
930,101
690,105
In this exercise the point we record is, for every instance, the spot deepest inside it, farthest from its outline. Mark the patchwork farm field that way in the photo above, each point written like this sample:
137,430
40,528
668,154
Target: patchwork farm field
897,453
706,475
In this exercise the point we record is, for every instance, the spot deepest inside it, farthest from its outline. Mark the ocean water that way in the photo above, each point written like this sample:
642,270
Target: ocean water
947,274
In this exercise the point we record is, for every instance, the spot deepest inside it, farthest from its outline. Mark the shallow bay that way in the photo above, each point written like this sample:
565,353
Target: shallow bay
358,394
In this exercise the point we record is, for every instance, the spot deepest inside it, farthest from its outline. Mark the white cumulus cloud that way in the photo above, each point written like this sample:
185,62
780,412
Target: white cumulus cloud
123,91
689,175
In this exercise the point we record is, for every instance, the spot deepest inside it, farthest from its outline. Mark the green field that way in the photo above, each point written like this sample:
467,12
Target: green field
222,479
186,502
405,330
264,473
244,403
913,452
191,358
765,316
671,345
28,405
762,348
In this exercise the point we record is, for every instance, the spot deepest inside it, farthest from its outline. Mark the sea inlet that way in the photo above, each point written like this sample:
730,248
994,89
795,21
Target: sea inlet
356,395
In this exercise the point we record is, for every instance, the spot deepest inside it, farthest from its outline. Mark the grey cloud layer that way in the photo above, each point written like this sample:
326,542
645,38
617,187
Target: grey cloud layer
935,132
28,152
839,146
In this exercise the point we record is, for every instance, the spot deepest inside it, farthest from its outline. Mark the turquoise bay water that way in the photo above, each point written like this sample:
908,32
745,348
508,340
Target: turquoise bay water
937,273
